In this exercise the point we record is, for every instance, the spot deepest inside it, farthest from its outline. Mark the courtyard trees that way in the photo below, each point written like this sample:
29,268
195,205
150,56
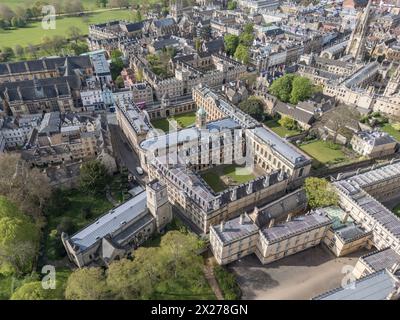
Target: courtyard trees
320,193
292,88
19,239
93,177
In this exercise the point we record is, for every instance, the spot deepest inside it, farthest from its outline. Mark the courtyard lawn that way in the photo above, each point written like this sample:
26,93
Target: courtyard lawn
214,181
220,178
279,130
34,33
238,174
392,131
185,119
321,152
161,124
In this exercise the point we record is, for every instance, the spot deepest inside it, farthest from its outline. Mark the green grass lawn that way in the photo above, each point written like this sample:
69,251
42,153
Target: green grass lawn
34,33
238,174
161,124
214,181
87,4
279,130
220,178
184,120
321,151
392,131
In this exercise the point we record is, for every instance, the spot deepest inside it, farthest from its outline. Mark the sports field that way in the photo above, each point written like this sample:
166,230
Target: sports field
34,33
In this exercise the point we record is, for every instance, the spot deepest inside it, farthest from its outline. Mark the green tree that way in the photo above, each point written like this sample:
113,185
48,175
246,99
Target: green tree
282,87
138,16
86,284
288,123
197,44
253,106
19,239
248,28
231,42
119,82
320,193
101,3
302,89
93,177
35,291
74,33
232,5
242,54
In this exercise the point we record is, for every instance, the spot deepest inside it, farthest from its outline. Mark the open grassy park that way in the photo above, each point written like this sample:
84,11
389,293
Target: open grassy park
222,177
279,130
184,120
34,33
323,152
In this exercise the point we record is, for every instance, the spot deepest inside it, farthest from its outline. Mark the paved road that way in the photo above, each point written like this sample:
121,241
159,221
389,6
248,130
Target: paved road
124,153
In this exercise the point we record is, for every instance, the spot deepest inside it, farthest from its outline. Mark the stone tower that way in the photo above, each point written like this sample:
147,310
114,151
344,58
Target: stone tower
201,118
158,204
356,46
176,8
393,85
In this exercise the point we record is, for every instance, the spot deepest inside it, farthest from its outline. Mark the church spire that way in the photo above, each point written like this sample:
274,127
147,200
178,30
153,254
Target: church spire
356,44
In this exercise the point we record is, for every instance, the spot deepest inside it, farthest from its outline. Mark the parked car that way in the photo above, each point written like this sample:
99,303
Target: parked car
139,170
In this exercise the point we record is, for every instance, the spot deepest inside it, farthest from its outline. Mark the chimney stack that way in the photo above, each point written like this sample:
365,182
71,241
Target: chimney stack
289,217
271,223
346,217
222,226
395,267
241,219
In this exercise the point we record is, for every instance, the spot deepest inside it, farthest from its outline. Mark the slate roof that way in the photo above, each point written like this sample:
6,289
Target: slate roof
297,225
164,22
381,259
234,230
293,112
47,64
375,286
110,222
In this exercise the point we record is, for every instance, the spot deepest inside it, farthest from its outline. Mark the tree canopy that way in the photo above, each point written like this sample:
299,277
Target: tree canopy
86,284
93,177
19,239
253,106
27,188
35,291
231,42
320,193
171,270
242,54
292,88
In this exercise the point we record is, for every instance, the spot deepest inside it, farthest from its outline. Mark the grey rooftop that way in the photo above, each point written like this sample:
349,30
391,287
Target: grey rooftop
110,222
376,286
296,226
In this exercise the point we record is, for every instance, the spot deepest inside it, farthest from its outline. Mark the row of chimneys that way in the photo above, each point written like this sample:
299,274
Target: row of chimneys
243,215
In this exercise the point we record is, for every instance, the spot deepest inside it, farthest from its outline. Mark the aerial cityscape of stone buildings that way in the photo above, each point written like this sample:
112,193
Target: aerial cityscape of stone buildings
65,111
